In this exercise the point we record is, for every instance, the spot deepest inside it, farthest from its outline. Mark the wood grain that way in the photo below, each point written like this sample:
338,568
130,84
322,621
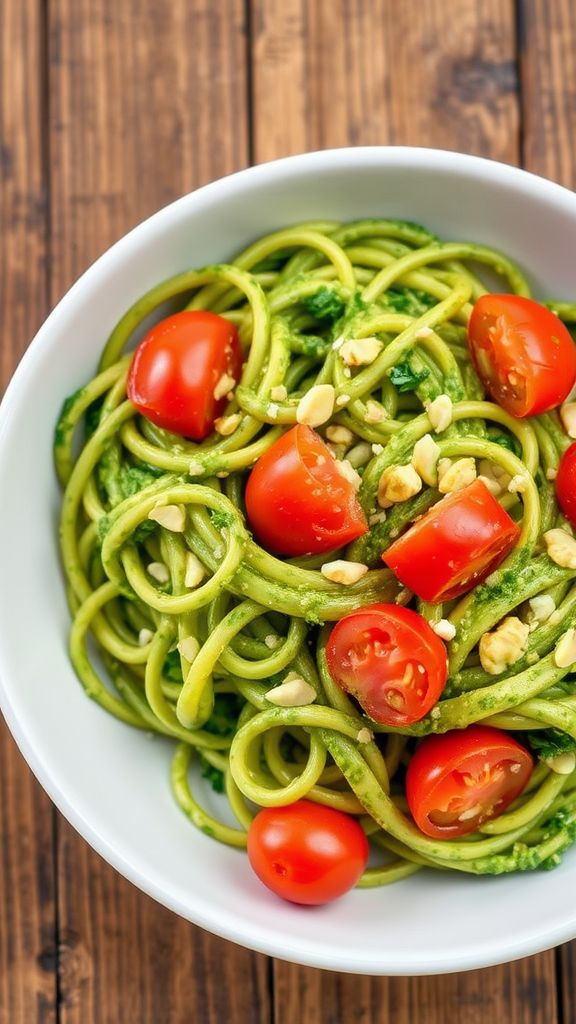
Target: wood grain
147,100
521,993
341,72
350,72
548,74
27,927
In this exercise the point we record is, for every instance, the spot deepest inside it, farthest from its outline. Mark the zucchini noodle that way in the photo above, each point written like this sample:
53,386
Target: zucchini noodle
194,663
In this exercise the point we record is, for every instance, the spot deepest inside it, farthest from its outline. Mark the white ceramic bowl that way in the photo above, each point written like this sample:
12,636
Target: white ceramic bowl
111,782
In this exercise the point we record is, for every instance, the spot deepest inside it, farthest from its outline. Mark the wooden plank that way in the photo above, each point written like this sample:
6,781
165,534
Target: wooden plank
147,100
374,72
547,40
521,993
548,75
28,924
341,72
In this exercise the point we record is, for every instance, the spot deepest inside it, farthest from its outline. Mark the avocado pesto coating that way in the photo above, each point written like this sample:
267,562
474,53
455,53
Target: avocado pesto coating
196,625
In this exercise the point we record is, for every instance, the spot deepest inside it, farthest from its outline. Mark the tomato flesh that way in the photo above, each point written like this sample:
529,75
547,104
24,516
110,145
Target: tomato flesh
296,500
522,352
390,660
307,853
457,781
176,368
566,484
454,546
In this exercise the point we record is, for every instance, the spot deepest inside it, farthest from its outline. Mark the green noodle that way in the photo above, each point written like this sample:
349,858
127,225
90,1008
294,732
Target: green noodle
254,617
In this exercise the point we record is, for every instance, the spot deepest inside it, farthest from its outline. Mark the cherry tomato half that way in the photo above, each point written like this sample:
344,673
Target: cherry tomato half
454,546
566,484
390,659
296,500
307,853
176,368
522,352
457,781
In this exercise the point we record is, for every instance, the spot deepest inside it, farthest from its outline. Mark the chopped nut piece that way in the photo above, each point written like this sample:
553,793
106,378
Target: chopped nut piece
171,517
195,469
424,332
188,647
195,571
360,351
551,473
398,483
339,435
492,484
562,764
272,641
279,393
374,412
272,410
346,469
144,637
344,572
503,646
457,475
444,629
342,400
541,608
377,449
316,406
568,417
425,459
159,572
226,425
561,548
365,736
440,413
377,517
518,484
565,652
224,386
292,693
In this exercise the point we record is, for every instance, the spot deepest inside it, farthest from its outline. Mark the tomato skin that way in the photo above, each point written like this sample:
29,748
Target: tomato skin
475,769
307,853
390,659
296,500
176,367
522,352
566,484
454,546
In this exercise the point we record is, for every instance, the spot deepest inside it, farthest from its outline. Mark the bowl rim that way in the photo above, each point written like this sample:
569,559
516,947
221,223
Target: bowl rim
248,935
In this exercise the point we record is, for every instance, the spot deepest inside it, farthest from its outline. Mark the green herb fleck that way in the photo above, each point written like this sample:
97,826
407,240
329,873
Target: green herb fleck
549,743
221,519
214,776
325,304
404,378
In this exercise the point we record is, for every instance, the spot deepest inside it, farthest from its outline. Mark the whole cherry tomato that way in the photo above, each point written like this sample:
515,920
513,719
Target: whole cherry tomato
307,853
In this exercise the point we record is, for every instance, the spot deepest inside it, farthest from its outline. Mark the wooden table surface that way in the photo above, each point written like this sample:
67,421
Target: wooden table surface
108,110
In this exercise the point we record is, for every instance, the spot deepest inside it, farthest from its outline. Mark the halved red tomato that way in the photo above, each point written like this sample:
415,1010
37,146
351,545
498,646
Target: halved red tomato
522,352
457,781
390,660
566,484
297,501
179,369
454,546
